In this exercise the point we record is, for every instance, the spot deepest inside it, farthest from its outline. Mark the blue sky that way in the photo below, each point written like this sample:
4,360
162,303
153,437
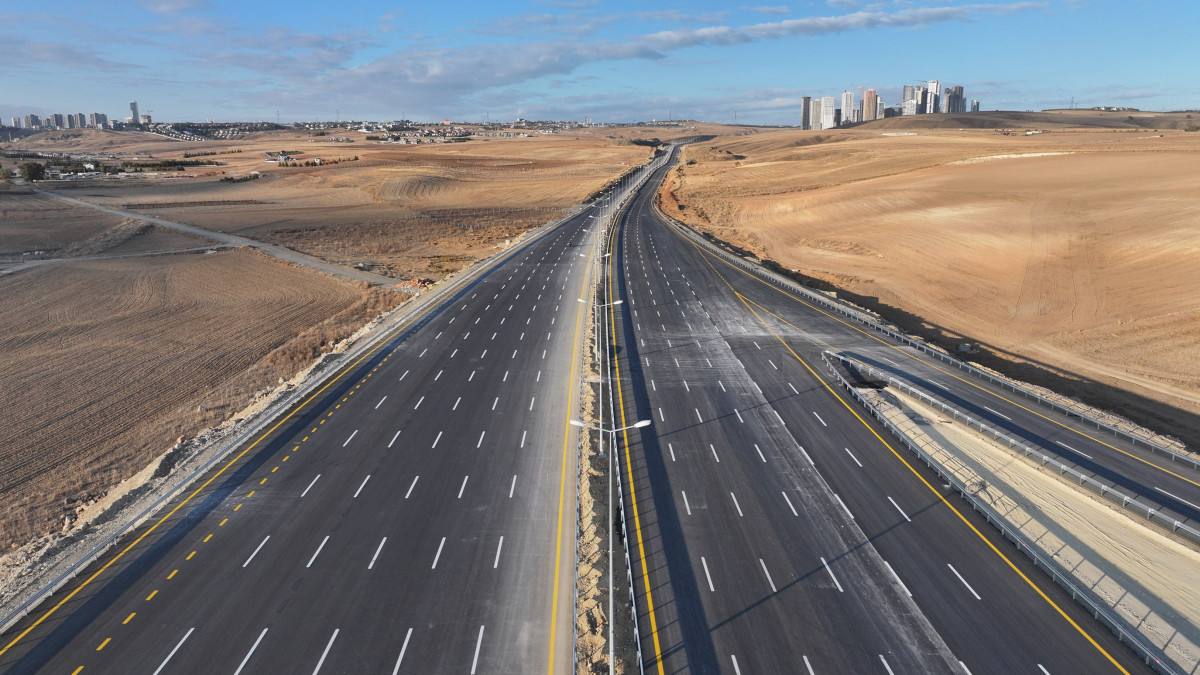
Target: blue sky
566,59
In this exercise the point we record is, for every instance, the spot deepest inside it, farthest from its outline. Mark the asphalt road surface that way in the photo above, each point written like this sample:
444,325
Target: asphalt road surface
772,528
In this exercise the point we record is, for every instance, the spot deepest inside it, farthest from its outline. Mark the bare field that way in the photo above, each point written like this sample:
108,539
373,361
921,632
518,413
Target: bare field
1072,253
114,359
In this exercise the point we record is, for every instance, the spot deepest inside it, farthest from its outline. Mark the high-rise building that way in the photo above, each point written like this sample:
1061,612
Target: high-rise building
955,103
847,107
870,105
98,120
974,105
880,109
909,91
828,112
134,117
16,122
70,119
816,118
58,121
805,112
33,121
934,102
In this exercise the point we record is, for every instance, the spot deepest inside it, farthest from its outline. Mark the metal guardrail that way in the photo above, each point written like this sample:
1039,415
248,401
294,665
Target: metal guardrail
924,347
1152,655
268,417
1151,514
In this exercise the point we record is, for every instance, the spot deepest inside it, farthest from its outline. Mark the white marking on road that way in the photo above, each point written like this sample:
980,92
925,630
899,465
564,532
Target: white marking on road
994,412
661,418
438,554
496,562
394,438
789,503
403,376
698,415
422,352
326,652
722,384
526,431
760,453
739,416
352,434
484,354
1073,449
653,386
819,419
462,487
250,653
736,670
512,487
435,377
453,352
964,581
456,402
177,646
1043,669
671,448
793,388
893,501
481,434
531,400
410,487
380,402
714,452
756,344
831,576
317,552
710,365
939,384
897,578
1177,498
686,506
965,668
853,457
376,556
435,441
360,487
685,386
314,482
419,402
495,402
772,364
478,643
885,665
769,580
707,575
736,505
806,665
835,496
779,416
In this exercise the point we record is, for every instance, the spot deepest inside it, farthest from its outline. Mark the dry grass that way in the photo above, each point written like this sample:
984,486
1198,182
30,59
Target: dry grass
1080,264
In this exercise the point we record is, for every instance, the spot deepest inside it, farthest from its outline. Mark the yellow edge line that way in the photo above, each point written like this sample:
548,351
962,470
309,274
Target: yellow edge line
935,366
637,521
230,463
562,479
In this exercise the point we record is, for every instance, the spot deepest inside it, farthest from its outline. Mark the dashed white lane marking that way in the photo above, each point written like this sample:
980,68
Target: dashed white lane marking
403,376
314,482
531,400
698,415
317,552
839,500
439,374
819,419
1043,669
939,384
736,670
422,352
789,503
897,578
177,646
772,364
708,576
376,556
512,487
832,576
326,652
853,457
462,487
352,435
250,653
481,434
478,644
456,402
380,402
394,438
419,401
410,487
361,486
671,448
435,441
964,581
736,505
1073,449
995,412
893,501
438,555
256,550
687,507
760,453
793,389
714,452
806,665
496,562
769,580
661,418
885,665
722,384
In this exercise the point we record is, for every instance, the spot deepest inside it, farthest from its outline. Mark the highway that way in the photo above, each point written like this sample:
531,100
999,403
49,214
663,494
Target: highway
771,527
415,515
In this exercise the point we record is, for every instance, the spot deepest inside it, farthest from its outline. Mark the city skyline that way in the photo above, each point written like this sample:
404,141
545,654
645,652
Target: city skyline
192,60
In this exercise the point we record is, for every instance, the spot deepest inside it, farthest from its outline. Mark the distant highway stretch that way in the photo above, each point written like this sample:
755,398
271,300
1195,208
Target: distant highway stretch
773,527
417,515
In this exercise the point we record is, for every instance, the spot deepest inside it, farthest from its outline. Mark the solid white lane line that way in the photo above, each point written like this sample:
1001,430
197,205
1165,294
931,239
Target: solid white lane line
523,433
438,555
806,665
885,665
317,552
360,487
478,643
435,441
897,578
964,581
496,562
819,419
410,487
380,402
394,438
769,579
456,402
996,412
839,499
714,452
352,435
736,670
326,652
853,457
686,506
1177,498
419,402
671,448
314,482
739,416
512,487
778,415
403,376
698,415
462,487
481,434
250,653
1073,449
376,556
707,575
831,576
177,646
736,505
965,668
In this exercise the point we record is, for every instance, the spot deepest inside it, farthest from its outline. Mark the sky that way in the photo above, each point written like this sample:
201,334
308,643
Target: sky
615,61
